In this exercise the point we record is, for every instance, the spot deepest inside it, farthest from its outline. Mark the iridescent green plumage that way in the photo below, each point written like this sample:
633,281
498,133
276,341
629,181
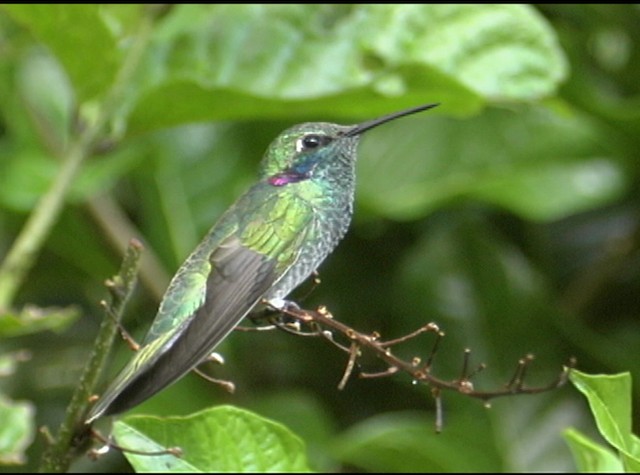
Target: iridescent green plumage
263,247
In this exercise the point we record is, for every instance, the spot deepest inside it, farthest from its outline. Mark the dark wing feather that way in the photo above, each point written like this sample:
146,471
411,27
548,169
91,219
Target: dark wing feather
239,278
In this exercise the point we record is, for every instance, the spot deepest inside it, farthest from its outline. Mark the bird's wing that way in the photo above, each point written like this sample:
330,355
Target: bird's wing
237,280
221,287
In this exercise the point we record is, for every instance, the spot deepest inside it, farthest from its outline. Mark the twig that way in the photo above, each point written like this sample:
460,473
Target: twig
73,434
228,386
324,324
108,444
353,355
429,327
437,397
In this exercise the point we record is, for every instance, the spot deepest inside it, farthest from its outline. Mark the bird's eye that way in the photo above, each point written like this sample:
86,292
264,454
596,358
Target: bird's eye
311,141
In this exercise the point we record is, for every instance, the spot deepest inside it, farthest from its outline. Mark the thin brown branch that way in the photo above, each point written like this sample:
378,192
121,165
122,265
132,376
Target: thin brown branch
429,327
437,397
390,371
226,385
323,323
353,356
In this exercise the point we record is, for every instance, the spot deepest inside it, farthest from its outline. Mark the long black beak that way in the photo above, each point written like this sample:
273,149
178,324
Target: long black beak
370,124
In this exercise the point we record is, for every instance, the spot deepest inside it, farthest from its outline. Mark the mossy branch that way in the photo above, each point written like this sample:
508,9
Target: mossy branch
73,434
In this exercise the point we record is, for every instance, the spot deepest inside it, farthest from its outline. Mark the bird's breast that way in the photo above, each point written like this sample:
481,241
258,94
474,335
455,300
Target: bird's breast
327,223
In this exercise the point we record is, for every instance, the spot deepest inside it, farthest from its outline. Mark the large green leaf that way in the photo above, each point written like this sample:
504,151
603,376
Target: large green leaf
407,442
218,62
221,439
238,61
609,397
79,38
303,413
536,162
503,52
194,102
591,456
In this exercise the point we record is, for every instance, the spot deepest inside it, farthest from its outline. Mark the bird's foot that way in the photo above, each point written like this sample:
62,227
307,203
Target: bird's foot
283,320
282,305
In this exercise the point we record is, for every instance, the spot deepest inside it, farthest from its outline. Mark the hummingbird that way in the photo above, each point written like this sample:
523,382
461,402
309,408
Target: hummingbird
266,244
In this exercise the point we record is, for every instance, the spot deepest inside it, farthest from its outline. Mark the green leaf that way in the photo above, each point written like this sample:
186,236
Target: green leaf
591,456
536,162
304,414
221,439
16,430
503,52
238,61
86,49
407,442
32,319
609,397
28,174
556,190
194,102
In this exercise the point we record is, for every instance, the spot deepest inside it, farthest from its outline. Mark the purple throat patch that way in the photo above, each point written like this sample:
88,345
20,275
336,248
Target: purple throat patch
285,178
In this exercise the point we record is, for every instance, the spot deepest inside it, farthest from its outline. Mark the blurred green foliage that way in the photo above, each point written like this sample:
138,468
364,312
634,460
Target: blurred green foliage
508,215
